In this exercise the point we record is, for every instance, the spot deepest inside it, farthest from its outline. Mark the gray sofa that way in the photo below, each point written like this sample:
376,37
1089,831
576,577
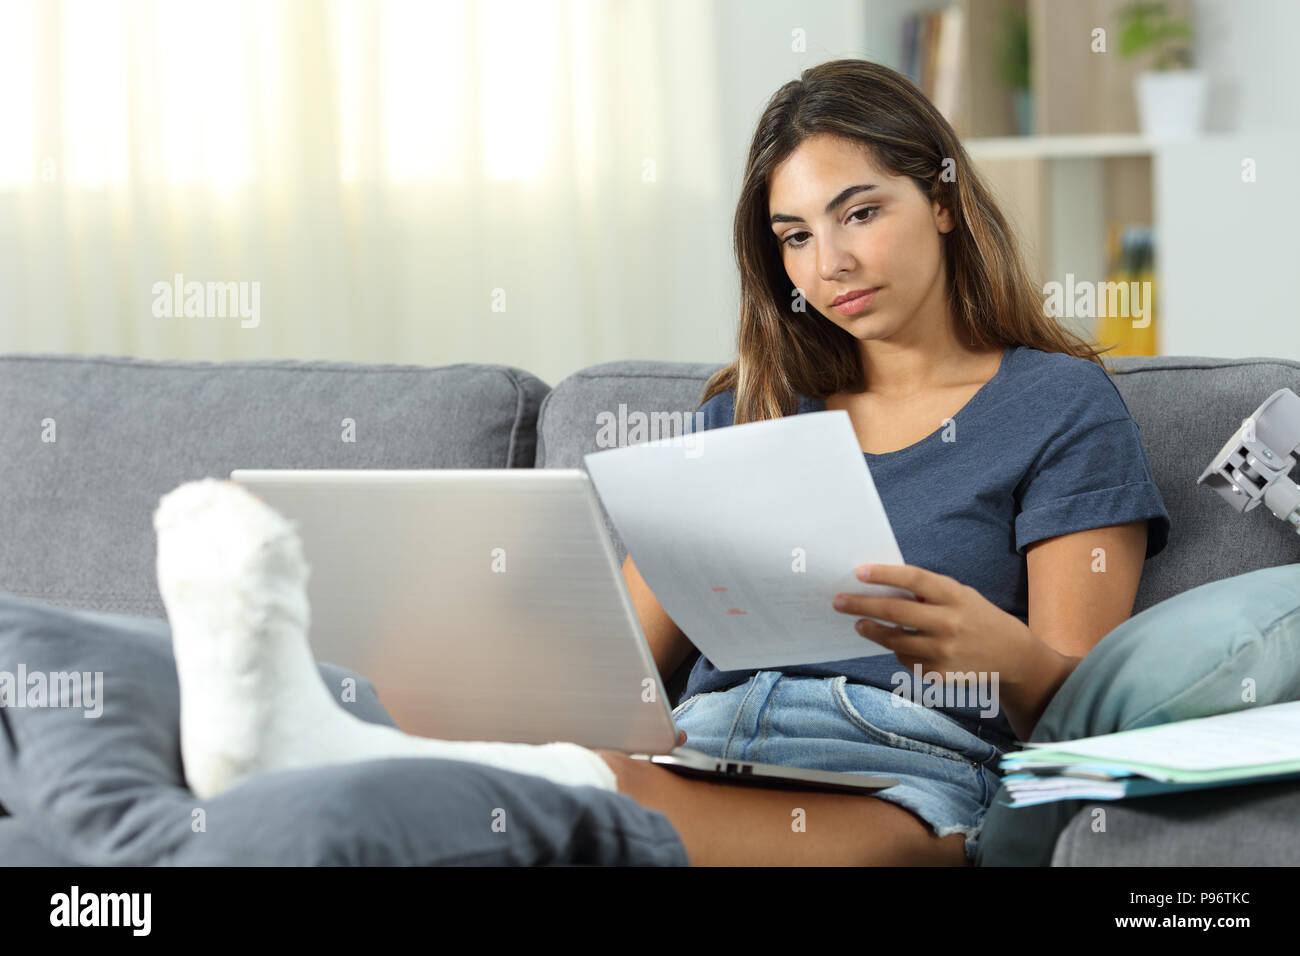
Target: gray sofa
75,527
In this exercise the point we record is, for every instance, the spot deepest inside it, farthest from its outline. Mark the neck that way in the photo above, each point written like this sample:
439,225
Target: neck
897,371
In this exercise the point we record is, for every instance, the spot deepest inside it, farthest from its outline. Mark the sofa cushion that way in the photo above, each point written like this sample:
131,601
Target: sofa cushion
78,772
89,444
109,789
20,847
1186,408
1200,828
1218,648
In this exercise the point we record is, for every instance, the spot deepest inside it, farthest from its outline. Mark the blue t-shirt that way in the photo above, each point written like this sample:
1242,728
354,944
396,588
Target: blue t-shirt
1046,447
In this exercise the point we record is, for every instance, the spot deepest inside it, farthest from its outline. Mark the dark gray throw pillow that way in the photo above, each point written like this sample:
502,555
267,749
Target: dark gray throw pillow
109,789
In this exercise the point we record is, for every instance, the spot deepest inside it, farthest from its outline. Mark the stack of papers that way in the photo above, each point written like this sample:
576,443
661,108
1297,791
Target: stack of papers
745,535
1254,745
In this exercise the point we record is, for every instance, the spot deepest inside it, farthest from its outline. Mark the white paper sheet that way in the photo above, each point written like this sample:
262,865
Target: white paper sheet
1244,738
745,534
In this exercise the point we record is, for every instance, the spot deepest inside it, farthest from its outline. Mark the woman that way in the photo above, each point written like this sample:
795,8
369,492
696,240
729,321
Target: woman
1011,471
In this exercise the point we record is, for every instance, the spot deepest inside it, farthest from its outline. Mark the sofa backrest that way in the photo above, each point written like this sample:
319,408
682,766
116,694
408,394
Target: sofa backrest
76,512
1186,409
575,415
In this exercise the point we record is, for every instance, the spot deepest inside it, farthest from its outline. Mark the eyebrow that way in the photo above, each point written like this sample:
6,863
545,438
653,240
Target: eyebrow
830,206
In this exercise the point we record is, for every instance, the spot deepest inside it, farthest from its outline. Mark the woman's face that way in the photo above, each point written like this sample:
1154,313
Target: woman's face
887,238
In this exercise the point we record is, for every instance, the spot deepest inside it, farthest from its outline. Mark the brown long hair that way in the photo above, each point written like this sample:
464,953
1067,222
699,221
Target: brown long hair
783,352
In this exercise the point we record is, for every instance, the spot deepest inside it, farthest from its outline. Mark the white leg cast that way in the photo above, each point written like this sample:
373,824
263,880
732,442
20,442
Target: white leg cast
233,579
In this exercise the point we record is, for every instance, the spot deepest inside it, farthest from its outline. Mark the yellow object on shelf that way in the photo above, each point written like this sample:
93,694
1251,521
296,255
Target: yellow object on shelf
1133,329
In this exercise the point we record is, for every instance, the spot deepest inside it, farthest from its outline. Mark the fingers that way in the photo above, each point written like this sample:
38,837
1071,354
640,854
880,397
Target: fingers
909,577
903,645
897,610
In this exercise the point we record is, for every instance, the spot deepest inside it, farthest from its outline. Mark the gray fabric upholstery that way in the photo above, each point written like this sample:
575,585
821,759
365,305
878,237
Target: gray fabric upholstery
1186,409
110,789
75,514
567,425
19,846
1254,825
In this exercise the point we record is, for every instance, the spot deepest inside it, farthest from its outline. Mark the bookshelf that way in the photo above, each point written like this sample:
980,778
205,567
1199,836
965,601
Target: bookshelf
1083,168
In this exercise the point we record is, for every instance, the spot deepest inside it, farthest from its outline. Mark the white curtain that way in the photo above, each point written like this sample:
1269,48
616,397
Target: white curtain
534,183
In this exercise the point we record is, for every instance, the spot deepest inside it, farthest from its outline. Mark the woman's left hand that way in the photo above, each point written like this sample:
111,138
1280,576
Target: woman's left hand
957,628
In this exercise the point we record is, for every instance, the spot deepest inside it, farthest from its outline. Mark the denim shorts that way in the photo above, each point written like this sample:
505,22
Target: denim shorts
947,776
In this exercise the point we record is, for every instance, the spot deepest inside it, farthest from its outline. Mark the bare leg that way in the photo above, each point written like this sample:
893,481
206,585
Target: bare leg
725,824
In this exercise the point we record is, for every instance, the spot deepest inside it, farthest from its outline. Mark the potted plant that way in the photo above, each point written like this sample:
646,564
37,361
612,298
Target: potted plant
1171,95
1013,67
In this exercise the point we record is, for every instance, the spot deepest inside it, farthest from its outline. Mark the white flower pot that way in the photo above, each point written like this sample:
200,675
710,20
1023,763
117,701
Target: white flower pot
1171,103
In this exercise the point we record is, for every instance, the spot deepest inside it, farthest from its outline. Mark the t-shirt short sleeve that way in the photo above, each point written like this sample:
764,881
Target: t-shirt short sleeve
717,412
1093,472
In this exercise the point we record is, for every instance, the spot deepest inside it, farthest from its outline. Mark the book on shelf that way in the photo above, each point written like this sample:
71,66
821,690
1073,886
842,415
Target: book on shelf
932,56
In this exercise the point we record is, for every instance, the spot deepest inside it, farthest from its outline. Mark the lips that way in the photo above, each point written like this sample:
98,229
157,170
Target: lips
848,296
851,308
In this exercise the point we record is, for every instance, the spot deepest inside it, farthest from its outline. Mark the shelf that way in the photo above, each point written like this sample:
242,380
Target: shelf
1078,146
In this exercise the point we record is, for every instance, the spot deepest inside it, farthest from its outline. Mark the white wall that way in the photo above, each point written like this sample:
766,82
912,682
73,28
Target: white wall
1231,249
1249,49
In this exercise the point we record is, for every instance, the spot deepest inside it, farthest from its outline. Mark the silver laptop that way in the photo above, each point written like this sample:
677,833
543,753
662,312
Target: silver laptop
488,604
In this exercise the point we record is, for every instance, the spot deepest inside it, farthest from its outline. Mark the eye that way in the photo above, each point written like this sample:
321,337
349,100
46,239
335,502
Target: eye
798,245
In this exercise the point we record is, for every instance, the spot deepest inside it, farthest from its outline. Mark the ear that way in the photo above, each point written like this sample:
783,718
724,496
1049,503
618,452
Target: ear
944,220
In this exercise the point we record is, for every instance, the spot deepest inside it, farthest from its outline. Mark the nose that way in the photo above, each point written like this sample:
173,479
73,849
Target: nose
833,260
